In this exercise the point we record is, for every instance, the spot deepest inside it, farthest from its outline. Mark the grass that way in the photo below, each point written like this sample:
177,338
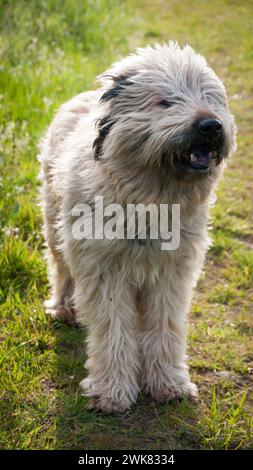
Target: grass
50,51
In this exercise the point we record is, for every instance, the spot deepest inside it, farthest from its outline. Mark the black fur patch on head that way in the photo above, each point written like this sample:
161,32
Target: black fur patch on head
104,125
120,83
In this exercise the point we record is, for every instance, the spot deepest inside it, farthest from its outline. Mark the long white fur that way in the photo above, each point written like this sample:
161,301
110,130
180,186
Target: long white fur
133,298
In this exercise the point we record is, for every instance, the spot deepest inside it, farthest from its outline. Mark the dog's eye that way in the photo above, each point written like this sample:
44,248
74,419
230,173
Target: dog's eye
166,103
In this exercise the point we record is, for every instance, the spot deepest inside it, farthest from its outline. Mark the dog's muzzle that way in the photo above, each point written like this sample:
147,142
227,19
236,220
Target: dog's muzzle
205,143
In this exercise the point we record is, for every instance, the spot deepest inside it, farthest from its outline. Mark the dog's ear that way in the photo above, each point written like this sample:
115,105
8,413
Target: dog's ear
118,83
104,125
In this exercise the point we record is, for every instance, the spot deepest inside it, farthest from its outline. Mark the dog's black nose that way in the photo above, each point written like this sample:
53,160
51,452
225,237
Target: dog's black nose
210,127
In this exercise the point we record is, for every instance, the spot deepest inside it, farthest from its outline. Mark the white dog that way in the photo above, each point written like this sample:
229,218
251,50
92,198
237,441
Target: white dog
158,131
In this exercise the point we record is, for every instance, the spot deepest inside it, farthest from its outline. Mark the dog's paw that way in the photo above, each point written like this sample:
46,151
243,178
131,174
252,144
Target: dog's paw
63,313
169,393
103,402
107,405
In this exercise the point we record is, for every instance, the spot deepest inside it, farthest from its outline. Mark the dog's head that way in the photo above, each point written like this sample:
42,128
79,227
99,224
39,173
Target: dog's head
165,107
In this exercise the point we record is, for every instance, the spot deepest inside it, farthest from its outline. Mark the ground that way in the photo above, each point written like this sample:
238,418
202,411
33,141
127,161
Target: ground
50,52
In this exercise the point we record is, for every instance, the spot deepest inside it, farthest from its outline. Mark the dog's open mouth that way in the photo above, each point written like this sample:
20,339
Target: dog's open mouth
198,159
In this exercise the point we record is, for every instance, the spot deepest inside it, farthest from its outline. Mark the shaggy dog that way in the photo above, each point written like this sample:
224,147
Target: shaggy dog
158,131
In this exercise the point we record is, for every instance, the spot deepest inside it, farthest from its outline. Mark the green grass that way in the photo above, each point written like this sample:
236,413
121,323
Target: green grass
51,50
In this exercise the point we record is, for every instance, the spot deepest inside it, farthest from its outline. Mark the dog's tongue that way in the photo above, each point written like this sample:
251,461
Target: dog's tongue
200,159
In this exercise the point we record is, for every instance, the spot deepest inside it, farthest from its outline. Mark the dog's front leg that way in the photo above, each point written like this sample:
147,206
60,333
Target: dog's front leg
163,340
108,309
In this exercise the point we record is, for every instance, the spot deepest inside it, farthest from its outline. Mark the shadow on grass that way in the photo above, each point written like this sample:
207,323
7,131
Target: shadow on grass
146,426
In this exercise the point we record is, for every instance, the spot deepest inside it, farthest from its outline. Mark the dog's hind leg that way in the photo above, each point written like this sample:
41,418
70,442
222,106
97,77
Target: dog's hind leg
60,305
